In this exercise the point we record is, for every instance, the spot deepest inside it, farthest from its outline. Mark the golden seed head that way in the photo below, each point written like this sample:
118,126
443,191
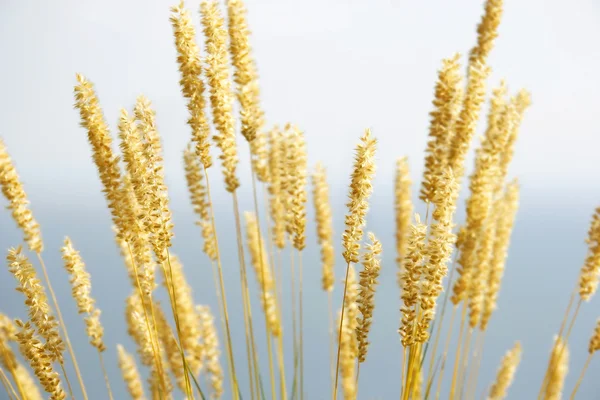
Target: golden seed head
7,357
466,122
558,367
13,190
506,373
40,361
360,191
137,328
260,156
192,87
37,303
487,30
94,330
474,240
278,174
131,374
264,274
324,220
211,350
8,329
514,117
446,103
595,339
27,382
411,279
107,163
80,279
366,296
81,288
245,74
349,343
172,353
403,209
199,199
155,205
258,253
296,166
219,81
189,329
438,251
504,212
590,272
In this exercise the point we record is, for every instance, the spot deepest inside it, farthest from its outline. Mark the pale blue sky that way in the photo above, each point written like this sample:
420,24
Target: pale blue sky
334,68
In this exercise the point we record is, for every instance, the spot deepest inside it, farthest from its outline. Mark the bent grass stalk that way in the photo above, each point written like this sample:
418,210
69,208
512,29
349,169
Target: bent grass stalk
110,395
439,325
478,354
337,362
444,355
550,370
64,329
252,360
457,356
10,390
224,310
465,361
264,292
11,369
153,332
580,379
276,283
301,327
294,322
175,310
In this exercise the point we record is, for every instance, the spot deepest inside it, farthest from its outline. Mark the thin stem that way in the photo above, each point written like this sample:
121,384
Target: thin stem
224,312
357,378
251,347
430,381
63,326
337,362
585,367
69,387
553,366
276,283
414,365
110,395
280,359
294,327
458,352
280,352
175,310
300,301
10,366
445,354
560,332
573,320
152,329
467,366
402,382
10,390
479,355
331,337
465,358
441,319
264,291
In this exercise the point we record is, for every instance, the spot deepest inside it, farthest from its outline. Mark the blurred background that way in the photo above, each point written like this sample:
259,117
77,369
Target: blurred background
334,67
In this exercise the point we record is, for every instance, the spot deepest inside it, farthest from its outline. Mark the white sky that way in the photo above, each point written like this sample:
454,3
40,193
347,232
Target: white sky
333,67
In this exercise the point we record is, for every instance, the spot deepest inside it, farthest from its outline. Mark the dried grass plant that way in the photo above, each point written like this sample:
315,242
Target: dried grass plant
177,342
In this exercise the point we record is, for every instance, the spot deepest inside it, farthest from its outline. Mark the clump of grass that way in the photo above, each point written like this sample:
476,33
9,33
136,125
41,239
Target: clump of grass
182,354
506,373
